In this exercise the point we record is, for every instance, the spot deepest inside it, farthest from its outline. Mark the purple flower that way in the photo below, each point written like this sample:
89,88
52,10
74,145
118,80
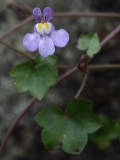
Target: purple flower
45,37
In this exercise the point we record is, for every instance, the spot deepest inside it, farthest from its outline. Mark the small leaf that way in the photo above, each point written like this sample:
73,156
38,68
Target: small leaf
68,131
90,42
108,132
118,125
36,78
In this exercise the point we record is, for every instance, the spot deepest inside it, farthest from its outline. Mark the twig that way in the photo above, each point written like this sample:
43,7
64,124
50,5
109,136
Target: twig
66,75
87,14
17,50
14,124
27,7
17,26
93,66
103,97
63,14
103,42
104,66
82,85
110,36
16,121
16,6
62,66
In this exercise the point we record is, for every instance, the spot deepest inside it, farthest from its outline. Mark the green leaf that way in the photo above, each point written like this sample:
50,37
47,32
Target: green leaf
68,130
118,125
108,132
89,42
36,78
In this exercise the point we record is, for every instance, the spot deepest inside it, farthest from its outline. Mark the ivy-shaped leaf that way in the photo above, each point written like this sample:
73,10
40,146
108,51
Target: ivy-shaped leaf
89,42
68,130
110,130
36,78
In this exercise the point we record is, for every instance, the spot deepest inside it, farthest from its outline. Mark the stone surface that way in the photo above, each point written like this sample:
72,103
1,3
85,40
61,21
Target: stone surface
25,144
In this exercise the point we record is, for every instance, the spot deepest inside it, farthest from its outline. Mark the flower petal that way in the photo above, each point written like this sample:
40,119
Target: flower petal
37,14
47,14
60,37
31,41
46,47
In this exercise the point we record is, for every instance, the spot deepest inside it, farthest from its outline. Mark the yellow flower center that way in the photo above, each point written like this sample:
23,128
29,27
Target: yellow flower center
40,26
44,28
46,25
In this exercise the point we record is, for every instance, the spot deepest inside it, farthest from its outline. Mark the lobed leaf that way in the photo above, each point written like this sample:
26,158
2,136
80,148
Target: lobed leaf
69,130
90,43
108,132
36,78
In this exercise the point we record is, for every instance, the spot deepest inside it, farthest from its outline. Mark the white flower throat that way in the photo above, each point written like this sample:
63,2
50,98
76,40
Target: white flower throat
44,28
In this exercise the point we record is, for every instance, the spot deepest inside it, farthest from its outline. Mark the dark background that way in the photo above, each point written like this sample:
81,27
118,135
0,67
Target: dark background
25,142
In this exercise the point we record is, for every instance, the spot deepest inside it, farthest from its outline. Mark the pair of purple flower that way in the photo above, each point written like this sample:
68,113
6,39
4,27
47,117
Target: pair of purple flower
45,37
